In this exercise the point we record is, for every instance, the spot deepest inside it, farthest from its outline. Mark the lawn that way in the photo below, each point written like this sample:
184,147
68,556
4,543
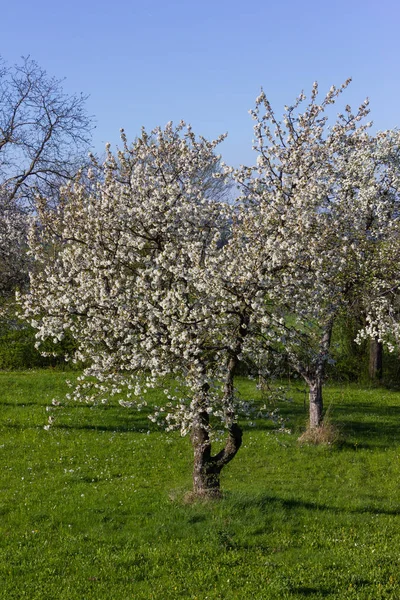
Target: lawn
95,508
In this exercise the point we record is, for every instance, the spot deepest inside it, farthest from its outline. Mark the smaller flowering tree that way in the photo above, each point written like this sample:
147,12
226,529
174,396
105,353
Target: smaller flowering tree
309,198
129,264
379,297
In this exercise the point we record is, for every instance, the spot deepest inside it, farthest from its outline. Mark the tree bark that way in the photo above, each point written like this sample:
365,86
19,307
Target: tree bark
314,375
207,468
316,402
205,477
376,360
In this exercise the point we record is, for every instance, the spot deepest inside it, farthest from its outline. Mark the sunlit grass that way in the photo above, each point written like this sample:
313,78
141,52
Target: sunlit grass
95,508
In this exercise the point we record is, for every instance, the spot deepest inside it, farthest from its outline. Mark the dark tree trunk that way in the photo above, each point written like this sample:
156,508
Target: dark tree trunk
375,360
205,476
207,468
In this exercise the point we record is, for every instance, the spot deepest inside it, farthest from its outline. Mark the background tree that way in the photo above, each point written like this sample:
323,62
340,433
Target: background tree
44,140
44,133
325,188
382,279
13,259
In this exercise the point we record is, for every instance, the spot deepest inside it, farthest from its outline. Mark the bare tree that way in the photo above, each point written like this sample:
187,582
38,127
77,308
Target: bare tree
44,133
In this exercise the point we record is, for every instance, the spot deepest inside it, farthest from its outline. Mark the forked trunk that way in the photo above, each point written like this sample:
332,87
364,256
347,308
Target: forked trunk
205,482
207,468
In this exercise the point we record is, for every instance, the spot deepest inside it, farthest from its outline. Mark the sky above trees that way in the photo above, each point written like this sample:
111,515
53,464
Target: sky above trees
146,63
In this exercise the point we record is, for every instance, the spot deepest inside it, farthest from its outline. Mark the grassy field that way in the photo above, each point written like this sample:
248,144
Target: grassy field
94,508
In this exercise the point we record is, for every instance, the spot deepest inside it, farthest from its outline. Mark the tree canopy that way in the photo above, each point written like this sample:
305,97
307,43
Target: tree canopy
159,279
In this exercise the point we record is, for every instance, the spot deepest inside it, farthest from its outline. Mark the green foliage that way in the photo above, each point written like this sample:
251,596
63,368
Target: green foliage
17,349
350,358
95,508
391,368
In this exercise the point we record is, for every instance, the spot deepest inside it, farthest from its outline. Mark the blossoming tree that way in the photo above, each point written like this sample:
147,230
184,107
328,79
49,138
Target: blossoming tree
381,250
130,264
317,186
156,277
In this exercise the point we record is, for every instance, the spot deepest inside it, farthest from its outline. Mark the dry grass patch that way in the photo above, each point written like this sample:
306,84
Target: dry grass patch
327,434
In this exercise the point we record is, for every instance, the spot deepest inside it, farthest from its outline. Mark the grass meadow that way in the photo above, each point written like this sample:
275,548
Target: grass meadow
95,508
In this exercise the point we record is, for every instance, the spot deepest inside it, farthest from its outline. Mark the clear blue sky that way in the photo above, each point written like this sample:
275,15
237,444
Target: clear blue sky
204,61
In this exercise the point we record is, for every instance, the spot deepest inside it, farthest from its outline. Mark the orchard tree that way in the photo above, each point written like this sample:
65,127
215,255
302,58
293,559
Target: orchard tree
380,297
130,266
319,185
376,303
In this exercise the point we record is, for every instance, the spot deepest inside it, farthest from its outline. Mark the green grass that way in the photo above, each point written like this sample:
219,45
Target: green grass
94,509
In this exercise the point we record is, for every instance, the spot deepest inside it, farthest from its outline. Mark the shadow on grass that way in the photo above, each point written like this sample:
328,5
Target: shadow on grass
107,418
265,425
368,410
371,426
361,424
87,418
265,502
142,427
369,435
311,591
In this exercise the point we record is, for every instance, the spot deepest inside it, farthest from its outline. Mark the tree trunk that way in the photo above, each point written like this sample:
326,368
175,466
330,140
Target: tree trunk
376,360
205,476
315,380
314,375
207,468
316,402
